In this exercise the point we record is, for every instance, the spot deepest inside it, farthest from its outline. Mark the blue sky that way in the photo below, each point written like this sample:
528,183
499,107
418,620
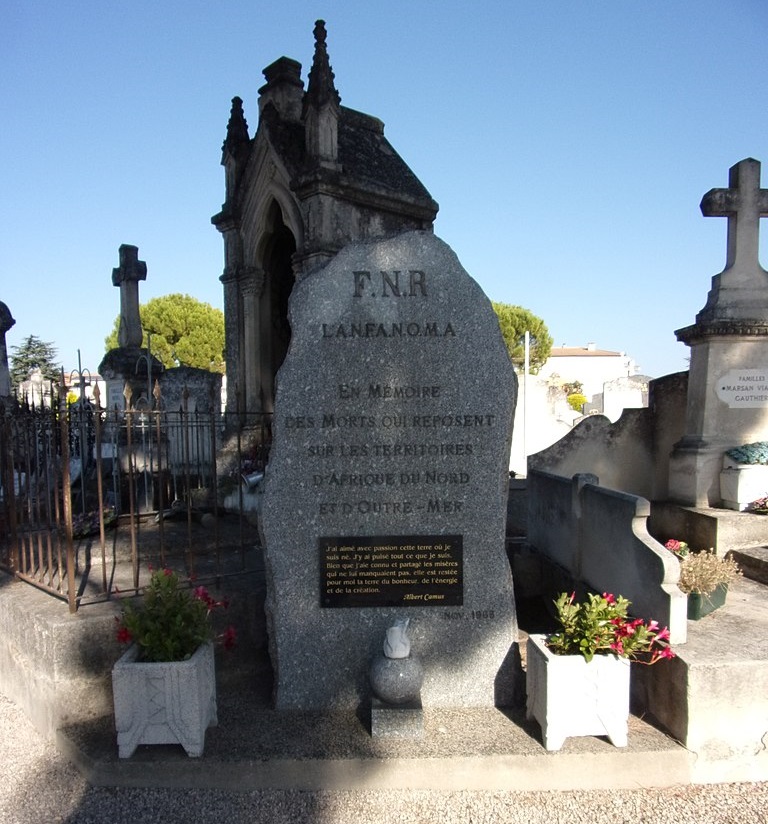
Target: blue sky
568,143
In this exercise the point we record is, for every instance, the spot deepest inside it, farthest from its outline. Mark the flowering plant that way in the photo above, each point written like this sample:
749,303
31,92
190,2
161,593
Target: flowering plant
760,506
680,548
704,572
600,626
173,620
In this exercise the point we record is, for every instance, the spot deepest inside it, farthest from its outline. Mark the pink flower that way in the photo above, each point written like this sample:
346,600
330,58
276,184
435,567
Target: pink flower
672,545
609,598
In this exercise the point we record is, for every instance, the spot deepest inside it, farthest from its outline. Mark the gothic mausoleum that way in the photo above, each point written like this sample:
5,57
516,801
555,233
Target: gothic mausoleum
315,176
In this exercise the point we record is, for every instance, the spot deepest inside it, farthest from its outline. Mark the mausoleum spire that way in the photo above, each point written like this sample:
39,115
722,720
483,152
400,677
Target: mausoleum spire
237,128
234,152
321,89
321,107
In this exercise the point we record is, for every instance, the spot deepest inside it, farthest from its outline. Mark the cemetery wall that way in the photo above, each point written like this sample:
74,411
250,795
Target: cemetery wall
631,455
599,536
55,666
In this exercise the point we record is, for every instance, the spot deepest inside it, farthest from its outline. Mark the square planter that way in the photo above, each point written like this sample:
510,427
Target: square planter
569,696
171,702
700,605
740,484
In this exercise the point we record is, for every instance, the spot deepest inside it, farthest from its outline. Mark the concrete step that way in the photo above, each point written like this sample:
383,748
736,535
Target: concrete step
713,697
256,748
753,561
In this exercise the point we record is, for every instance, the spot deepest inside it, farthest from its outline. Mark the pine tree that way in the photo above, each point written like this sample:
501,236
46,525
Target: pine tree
33,354
515,321
184,332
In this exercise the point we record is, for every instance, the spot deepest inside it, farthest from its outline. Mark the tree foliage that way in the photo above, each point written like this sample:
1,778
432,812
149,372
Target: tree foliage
515,321
576,401
31,354
184,332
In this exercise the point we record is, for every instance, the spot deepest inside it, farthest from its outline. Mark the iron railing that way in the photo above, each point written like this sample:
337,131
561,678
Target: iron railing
90,498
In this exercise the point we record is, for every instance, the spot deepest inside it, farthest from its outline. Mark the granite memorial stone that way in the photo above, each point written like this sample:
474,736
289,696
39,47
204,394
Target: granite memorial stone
386,489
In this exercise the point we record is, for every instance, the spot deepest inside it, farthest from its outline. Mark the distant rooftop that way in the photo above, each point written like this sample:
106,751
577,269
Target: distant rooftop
588,351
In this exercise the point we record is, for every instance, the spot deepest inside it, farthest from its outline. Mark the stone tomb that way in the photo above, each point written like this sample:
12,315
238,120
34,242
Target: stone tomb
386,489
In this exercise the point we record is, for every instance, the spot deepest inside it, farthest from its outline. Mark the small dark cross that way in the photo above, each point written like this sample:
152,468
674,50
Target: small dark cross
127,277
743,203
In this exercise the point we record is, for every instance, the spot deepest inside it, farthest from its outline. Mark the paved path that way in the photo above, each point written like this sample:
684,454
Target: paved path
38,786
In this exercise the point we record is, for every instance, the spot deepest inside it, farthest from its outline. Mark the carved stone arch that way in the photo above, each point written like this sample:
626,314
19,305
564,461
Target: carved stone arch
277,196
275,251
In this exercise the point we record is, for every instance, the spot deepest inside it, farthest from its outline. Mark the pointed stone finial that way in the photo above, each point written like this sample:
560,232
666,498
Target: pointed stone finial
237,128
321,89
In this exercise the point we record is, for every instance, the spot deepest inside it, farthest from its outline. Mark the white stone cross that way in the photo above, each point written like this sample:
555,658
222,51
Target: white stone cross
743,203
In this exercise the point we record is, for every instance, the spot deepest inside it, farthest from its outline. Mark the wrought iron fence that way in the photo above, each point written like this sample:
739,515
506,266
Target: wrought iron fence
89,498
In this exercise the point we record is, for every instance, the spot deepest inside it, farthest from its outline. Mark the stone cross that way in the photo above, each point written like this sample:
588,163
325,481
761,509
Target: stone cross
743,203
6,322
127,277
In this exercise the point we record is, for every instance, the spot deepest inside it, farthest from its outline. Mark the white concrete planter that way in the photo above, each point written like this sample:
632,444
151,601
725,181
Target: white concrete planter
740,484
569,696
171,702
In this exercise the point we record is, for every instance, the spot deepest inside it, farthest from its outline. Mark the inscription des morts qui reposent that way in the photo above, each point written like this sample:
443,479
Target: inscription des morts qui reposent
390,449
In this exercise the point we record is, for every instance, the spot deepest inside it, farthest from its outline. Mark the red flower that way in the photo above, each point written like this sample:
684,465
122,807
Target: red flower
229,637
124,636
609,598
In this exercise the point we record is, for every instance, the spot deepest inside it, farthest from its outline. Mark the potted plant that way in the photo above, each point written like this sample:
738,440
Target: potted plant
164,686
704,578
578,678
744,477
759,506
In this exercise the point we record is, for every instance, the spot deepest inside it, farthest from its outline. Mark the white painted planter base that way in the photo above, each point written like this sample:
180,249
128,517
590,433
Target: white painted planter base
570,697
740,484
164,703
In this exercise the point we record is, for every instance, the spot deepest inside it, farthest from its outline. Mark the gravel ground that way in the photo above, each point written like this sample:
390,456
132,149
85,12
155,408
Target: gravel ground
39,786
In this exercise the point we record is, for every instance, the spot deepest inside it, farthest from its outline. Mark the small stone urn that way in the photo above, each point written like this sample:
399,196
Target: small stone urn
396,676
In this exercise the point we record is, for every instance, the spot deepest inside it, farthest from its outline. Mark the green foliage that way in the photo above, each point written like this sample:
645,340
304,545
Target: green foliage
600,625
184,332
515,321
171,623
576,401
750,453
31,354
573,388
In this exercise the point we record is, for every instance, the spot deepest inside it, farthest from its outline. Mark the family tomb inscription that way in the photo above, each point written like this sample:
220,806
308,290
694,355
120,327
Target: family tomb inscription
385,494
